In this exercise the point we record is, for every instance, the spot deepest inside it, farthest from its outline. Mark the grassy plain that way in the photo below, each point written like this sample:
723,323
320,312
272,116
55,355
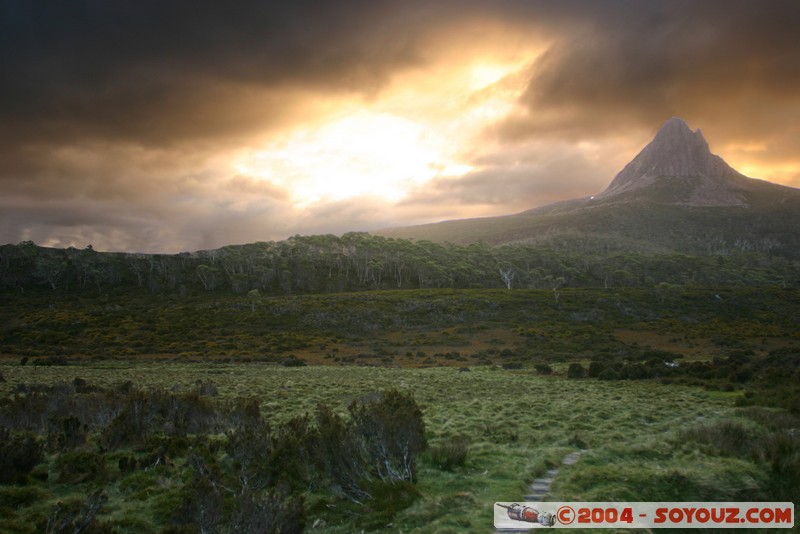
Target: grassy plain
517,425
647,440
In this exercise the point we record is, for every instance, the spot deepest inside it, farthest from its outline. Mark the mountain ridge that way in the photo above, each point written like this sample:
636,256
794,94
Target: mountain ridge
674,183
677,152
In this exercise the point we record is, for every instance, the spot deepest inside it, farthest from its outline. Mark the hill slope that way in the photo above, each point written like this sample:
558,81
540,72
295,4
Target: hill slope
675,195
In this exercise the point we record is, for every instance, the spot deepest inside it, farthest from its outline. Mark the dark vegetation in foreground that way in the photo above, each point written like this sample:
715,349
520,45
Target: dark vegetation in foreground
232,470
199,462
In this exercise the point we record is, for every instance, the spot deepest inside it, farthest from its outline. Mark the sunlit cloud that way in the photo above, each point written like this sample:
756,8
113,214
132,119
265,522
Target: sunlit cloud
363,153
388,146
185,130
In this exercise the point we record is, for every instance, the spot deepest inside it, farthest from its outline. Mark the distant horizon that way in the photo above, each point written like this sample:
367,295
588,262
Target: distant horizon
182,131
373,231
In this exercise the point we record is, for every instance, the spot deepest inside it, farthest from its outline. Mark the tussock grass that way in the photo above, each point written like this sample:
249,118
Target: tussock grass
646,441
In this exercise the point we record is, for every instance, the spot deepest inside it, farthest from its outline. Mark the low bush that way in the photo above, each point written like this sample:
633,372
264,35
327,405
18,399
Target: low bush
207,388
157,411
293,361
202,498
387,501
244,411
609,373
77,516
729,437
19,454
340,455
393,432
276,511
450,454
576,370
380,442
21,496
636,371
251,448
776,448
70,434
256,499
81,466
595,369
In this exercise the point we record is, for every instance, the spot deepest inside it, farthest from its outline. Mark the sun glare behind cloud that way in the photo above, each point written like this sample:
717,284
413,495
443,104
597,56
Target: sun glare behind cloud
361,154
485,74
388,146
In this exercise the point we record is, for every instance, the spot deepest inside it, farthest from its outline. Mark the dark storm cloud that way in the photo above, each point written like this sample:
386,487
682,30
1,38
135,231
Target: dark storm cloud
99,99
731,66
158,72
113,114
164,72
152,70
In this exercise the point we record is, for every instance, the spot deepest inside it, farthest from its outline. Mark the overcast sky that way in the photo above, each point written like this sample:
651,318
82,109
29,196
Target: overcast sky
156,126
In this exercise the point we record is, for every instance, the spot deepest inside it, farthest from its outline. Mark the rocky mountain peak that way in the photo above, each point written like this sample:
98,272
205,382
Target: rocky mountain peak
680,156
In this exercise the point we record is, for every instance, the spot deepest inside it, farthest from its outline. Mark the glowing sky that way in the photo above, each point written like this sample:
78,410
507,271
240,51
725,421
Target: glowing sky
167,126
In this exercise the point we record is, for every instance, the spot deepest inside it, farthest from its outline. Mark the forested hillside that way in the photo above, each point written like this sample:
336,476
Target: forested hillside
359,261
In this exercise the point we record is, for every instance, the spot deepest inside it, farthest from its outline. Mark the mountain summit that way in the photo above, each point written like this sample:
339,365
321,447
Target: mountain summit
680,165
675,195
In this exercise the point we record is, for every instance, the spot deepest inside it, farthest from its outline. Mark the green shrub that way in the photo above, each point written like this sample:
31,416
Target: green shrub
81,466
340,455
244,411
156,411
609,373
293,361
202,497
387,500
251,448
393,432
452,453
380,443
19,454
576,370
21,496
256,500
728,437
71,434
292,451
636,371
785,463
776,449
77,516
207,388
270,512
595,369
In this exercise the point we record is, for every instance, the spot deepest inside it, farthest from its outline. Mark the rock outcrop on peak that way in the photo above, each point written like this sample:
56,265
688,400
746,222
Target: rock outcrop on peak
680,158
675,195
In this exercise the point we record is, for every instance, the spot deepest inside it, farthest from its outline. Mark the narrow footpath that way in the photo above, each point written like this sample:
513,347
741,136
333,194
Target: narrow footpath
540,487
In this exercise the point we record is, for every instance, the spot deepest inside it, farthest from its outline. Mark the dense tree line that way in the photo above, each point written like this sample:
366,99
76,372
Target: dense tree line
359,261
